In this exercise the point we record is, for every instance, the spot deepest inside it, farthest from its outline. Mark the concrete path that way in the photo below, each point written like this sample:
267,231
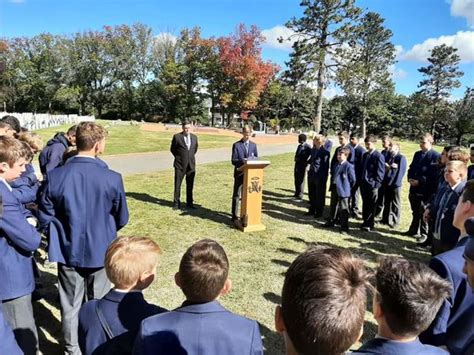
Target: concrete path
128,164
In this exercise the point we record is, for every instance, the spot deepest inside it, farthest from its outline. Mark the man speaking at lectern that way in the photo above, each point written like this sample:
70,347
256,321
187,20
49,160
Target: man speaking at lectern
242,151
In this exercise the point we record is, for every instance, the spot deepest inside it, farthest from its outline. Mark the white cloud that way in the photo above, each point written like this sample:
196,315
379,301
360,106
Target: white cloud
398,73
463,41
463,8
165,37
273,34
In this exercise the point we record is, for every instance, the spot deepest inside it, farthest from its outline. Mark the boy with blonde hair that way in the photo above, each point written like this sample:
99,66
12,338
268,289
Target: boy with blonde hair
109,325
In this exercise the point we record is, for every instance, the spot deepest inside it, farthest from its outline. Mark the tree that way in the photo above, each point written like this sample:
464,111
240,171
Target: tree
246,73
441,78
365,74
326,25
464,116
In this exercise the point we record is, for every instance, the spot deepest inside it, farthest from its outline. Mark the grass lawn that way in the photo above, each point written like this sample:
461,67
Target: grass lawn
258,261
131,139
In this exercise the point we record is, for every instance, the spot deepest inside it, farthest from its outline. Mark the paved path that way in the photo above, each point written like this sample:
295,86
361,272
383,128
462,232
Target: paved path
128,164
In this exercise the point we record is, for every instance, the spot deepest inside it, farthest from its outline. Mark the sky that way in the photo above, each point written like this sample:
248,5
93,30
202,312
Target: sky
417,25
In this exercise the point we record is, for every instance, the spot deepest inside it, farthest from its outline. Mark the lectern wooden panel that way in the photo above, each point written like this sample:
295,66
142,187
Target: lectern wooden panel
252,190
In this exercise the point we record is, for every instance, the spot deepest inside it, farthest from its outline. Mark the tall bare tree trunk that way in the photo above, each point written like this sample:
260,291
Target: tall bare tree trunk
319,97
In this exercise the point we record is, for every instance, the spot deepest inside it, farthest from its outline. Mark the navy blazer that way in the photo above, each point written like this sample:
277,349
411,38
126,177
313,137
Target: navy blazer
470,172
359,152
424,169
52,155
26,187
373,169
448,233
343,179
18,241
8,344
206,328
453,325
303,152
318,164
390,347
123,313
82,208
350,158
239,155
184,158
394,177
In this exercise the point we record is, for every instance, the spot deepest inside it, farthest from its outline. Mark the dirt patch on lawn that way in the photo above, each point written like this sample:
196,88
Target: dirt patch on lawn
260,139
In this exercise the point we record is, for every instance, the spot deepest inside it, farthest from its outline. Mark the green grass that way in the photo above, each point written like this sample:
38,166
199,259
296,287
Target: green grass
258,261
131,139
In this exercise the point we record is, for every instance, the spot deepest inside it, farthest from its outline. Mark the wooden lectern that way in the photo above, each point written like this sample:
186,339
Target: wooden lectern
252,189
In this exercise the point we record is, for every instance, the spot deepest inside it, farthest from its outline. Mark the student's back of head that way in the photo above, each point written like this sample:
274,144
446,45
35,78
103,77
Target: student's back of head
203,271
88,134
409,295
323,302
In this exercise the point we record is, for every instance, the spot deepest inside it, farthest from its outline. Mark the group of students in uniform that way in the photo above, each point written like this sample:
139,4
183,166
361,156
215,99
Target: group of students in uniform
352,171
81,205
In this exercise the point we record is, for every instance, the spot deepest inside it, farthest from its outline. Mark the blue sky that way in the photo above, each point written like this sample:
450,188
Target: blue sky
417,25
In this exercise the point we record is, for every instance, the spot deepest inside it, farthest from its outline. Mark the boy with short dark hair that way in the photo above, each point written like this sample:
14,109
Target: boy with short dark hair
13,122
18,240
323,302
110,325
342,181
407,297
343,137
201,324
52,155
82,208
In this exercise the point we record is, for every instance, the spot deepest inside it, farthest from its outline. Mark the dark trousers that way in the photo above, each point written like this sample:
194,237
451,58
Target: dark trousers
380,204
392,206
354,201
77,286
300,172
339,208
178,180
238,182
317,196
19,314
417,209
369,200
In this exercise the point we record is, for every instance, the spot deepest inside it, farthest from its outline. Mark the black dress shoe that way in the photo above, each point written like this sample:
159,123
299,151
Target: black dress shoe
191,207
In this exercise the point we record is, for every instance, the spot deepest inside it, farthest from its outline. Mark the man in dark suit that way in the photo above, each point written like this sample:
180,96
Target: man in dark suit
359,152
184,147
423,180
373,171
302,155
453,327
396,165
386,141
242,151
343,143
82,208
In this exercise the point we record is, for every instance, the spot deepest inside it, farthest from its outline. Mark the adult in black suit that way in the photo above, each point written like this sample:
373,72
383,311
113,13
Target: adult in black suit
184,147
302,155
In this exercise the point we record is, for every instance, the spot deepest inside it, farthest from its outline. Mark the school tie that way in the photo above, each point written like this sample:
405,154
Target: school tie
246,144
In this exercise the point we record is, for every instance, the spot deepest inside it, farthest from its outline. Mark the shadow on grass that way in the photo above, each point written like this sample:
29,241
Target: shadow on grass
200,211
272,297
272,341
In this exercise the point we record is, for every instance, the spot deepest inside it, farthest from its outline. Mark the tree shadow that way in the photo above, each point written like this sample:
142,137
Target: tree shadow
200,211
46,322
272,297
283,263
286,214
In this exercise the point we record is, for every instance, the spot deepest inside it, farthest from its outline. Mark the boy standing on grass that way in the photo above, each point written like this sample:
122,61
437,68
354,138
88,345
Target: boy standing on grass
82,208
52,155
18,240
201,325
342,181
110,325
